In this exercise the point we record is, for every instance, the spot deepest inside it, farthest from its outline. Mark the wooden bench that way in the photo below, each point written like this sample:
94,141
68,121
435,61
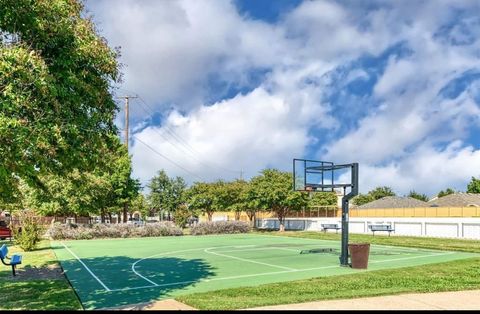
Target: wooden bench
14,260
330,226
374,228
5,233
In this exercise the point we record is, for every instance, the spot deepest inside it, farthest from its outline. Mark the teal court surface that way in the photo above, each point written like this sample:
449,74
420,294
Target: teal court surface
116,272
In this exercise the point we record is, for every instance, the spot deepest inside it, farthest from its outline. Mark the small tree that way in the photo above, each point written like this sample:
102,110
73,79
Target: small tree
448,191
474,186
380,192
201,196
373,195
272,190
140,204
418,196
28,233
361,199
166,193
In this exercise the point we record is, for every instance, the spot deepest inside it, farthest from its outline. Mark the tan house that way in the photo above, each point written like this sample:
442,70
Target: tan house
456,200
394,202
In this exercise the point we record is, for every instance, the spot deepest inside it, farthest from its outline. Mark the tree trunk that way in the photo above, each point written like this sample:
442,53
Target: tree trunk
237,215
102,217
209,214
281,214
251,218
125,209
282,224
110,217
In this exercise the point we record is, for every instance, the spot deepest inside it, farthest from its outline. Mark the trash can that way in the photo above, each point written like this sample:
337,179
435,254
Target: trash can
359,254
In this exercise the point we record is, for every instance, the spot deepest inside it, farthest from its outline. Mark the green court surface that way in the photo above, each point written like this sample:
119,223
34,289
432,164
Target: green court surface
115,272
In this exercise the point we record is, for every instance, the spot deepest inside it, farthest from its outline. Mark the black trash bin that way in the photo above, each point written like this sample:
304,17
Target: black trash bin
359,253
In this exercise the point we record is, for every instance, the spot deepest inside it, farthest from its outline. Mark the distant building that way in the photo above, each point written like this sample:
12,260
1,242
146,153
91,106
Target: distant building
456,200
394,202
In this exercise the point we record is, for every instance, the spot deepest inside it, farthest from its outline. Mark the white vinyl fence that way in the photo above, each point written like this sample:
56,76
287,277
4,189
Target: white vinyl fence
468,228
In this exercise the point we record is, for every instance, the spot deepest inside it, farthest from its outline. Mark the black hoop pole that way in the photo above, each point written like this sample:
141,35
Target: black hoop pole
345,214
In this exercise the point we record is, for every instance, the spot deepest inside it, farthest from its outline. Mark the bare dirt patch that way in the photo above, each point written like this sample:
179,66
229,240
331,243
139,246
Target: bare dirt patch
37,273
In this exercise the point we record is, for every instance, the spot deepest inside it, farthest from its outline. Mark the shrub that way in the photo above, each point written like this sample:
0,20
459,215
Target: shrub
29,232
220,227
181,216
95,231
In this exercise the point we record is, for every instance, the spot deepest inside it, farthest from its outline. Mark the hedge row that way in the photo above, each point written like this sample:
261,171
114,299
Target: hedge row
95,231
220,227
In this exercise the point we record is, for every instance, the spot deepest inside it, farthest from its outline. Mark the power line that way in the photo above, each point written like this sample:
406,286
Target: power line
168,159
184,143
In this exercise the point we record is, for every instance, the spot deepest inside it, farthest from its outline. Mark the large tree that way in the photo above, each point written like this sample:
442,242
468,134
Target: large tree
56,107
272,190
202,196
99,192
166,194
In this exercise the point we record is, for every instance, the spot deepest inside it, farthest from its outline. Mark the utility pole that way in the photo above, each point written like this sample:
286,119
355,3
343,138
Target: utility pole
241,174
127,98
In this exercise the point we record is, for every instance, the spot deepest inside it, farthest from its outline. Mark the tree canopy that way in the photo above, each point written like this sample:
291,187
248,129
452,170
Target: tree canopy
418,196
448,191
99,192
56,107
166,193
473,186
373,195
272,190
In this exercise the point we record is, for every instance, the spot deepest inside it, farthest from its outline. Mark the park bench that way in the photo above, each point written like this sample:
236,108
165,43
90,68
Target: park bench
330,226
374,228
14,260
5,233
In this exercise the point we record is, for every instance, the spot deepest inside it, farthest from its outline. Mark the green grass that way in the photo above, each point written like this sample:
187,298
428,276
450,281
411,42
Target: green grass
472,246
449,276
35,294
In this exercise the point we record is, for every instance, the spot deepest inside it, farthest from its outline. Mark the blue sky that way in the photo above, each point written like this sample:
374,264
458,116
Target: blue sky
230,86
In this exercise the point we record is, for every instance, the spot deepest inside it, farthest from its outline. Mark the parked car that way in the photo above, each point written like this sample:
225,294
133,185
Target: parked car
136,222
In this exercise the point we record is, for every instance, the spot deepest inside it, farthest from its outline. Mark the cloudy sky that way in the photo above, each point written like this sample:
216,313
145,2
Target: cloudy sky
229,86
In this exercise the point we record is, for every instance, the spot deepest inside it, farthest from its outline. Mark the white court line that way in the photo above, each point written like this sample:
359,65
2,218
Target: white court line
270,248
248,260
88,269
160,254
280,272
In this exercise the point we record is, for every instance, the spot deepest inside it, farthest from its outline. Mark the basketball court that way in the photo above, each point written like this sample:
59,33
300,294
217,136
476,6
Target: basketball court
115,272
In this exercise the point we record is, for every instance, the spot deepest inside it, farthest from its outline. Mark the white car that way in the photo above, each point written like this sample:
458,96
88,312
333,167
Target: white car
136,222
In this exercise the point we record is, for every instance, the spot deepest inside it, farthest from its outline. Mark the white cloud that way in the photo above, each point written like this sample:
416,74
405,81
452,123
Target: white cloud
427,170
173,49
248,132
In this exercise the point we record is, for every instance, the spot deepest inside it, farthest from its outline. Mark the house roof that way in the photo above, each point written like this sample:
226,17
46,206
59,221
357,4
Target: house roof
456,200
394,202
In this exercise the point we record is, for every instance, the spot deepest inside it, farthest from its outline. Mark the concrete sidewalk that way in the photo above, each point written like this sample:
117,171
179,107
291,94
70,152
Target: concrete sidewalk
459,300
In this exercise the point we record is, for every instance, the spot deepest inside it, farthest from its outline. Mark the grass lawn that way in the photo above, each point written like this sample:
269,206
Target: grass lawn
447,276
37,285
